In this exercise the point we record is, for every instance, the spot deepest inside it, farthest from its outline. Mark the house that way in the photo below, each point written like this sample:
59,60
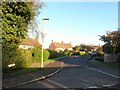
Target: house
92,47
29,43
56,46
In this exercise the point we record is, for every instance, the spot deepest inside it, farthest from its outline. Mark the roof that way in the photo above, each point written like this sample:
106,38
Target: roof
62,45
30,42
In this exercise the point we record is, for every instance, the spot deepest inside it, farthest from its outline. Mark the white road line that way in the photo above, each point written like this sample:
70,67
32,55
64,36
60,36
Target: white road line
102,72
93,87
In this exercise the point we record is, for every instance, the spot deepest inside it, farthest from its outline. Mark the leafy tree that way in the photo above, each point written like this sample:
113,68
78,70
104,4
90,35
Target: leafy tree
16,16
76,48
67,52
112,41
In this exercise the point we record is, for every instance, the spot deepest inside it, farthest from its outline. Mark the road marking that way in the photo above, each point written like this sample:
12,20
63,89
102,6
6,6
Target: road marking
108,85
93,87
102,72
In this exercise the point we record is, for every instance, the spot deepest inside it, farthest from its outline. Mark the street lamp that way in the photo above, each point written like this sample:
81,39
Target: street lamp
42,42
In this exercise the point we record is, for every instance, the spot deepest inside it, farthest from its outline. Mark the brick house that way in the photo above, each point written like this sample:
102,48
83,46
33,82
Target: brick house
56,46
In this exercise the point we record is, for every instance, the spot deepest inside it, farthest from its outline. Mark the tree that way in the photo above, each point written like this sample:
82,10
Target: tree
16,16
112,41
76,48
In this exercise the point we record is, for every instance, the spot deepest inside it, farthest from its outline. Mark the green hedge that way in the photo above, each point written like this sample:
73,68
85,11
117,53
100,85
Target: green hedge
46,54
23,59
36,53
54,54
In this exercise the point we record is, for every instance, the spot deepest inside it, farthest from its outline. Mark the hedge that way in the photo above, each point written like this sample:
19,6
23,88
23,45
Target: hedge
36,54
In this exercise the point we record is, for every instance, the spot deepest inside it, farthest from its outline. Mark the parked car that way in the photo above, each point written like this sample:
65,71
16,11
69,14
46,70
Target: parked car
94,53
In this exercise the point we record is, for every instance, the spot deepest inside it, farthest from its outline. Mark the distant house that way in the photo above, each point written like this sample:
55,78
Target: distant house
56,46
92,47
29,43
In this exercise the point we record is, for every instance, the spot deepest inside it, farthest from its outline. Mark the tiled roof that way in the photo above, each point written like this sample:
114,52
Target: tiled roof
30,42
62,45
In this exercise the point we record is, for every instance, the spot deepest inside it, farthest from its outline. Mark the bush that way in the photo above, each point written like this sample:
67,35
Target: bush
67,52
23,58
46,54
99,59
54,54
82,52
36,53
76,53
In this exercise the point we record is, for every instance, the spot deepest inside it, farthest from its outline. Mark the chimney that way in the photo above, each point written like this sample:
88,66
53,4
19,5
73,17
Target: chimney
37,35
62,41
52,41
99,45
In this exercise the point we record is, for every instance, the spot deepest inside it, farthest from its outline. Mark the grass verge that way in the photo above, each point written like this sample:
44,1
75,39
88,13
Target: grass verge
106,64
15,72
54,59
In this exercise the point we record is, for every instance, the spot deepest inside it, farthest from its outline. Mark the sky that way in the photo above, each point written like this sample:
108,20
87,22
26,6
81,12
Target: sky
77,22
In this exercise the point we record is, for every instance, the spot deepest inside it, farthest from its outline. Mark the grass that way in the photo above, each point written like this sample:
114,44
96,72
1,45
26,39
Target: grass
106,64
15,72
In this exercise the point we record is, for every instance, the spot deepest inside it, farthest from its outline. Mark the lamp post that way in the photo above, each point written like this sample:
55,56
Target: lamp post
42,41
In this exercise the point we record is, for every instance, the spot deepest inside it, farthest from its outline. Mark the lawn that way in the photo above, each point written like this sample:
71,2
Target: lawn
106,64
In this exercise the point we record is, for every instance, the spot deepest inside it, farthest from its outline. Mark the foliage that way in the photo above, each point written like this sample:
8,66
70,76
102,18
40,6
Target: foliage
75,53
36,53
76,48
67,52
112,42
82,47
16,16
46,54
54,54
23,58
82,52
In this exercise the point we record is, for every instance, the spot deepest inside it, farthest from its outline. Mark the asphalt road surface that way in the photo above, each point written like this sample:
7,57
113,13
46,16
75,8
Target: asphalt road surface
77,72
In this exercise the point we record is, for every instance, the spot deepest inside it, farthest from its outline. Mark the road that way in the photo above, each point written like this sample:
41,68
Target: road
77,72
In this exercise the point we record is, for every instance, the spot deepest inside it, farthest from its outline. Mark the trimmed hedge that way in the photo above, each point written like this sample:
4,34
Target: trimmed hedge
36,54
23,58
54,54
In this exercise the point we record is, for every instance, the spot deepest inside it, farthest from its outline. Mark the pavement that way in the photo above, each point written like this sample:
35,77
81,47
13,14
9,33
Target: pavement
49,70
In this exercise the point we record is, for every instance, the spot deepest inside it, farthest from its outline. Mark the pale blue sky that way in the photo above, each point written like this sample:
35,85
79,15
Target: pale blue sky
78,22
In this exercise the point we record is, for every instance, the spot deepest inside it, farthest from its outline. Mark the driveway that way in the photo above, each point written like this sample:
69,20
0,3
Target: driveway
79,73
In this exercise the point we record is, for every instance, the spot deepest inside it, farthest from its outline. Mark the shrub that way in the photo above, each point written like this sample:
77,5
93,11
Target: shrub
36,53
23,58
8,56
82,52
99,59
67,52
54,54
76,53
46,54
